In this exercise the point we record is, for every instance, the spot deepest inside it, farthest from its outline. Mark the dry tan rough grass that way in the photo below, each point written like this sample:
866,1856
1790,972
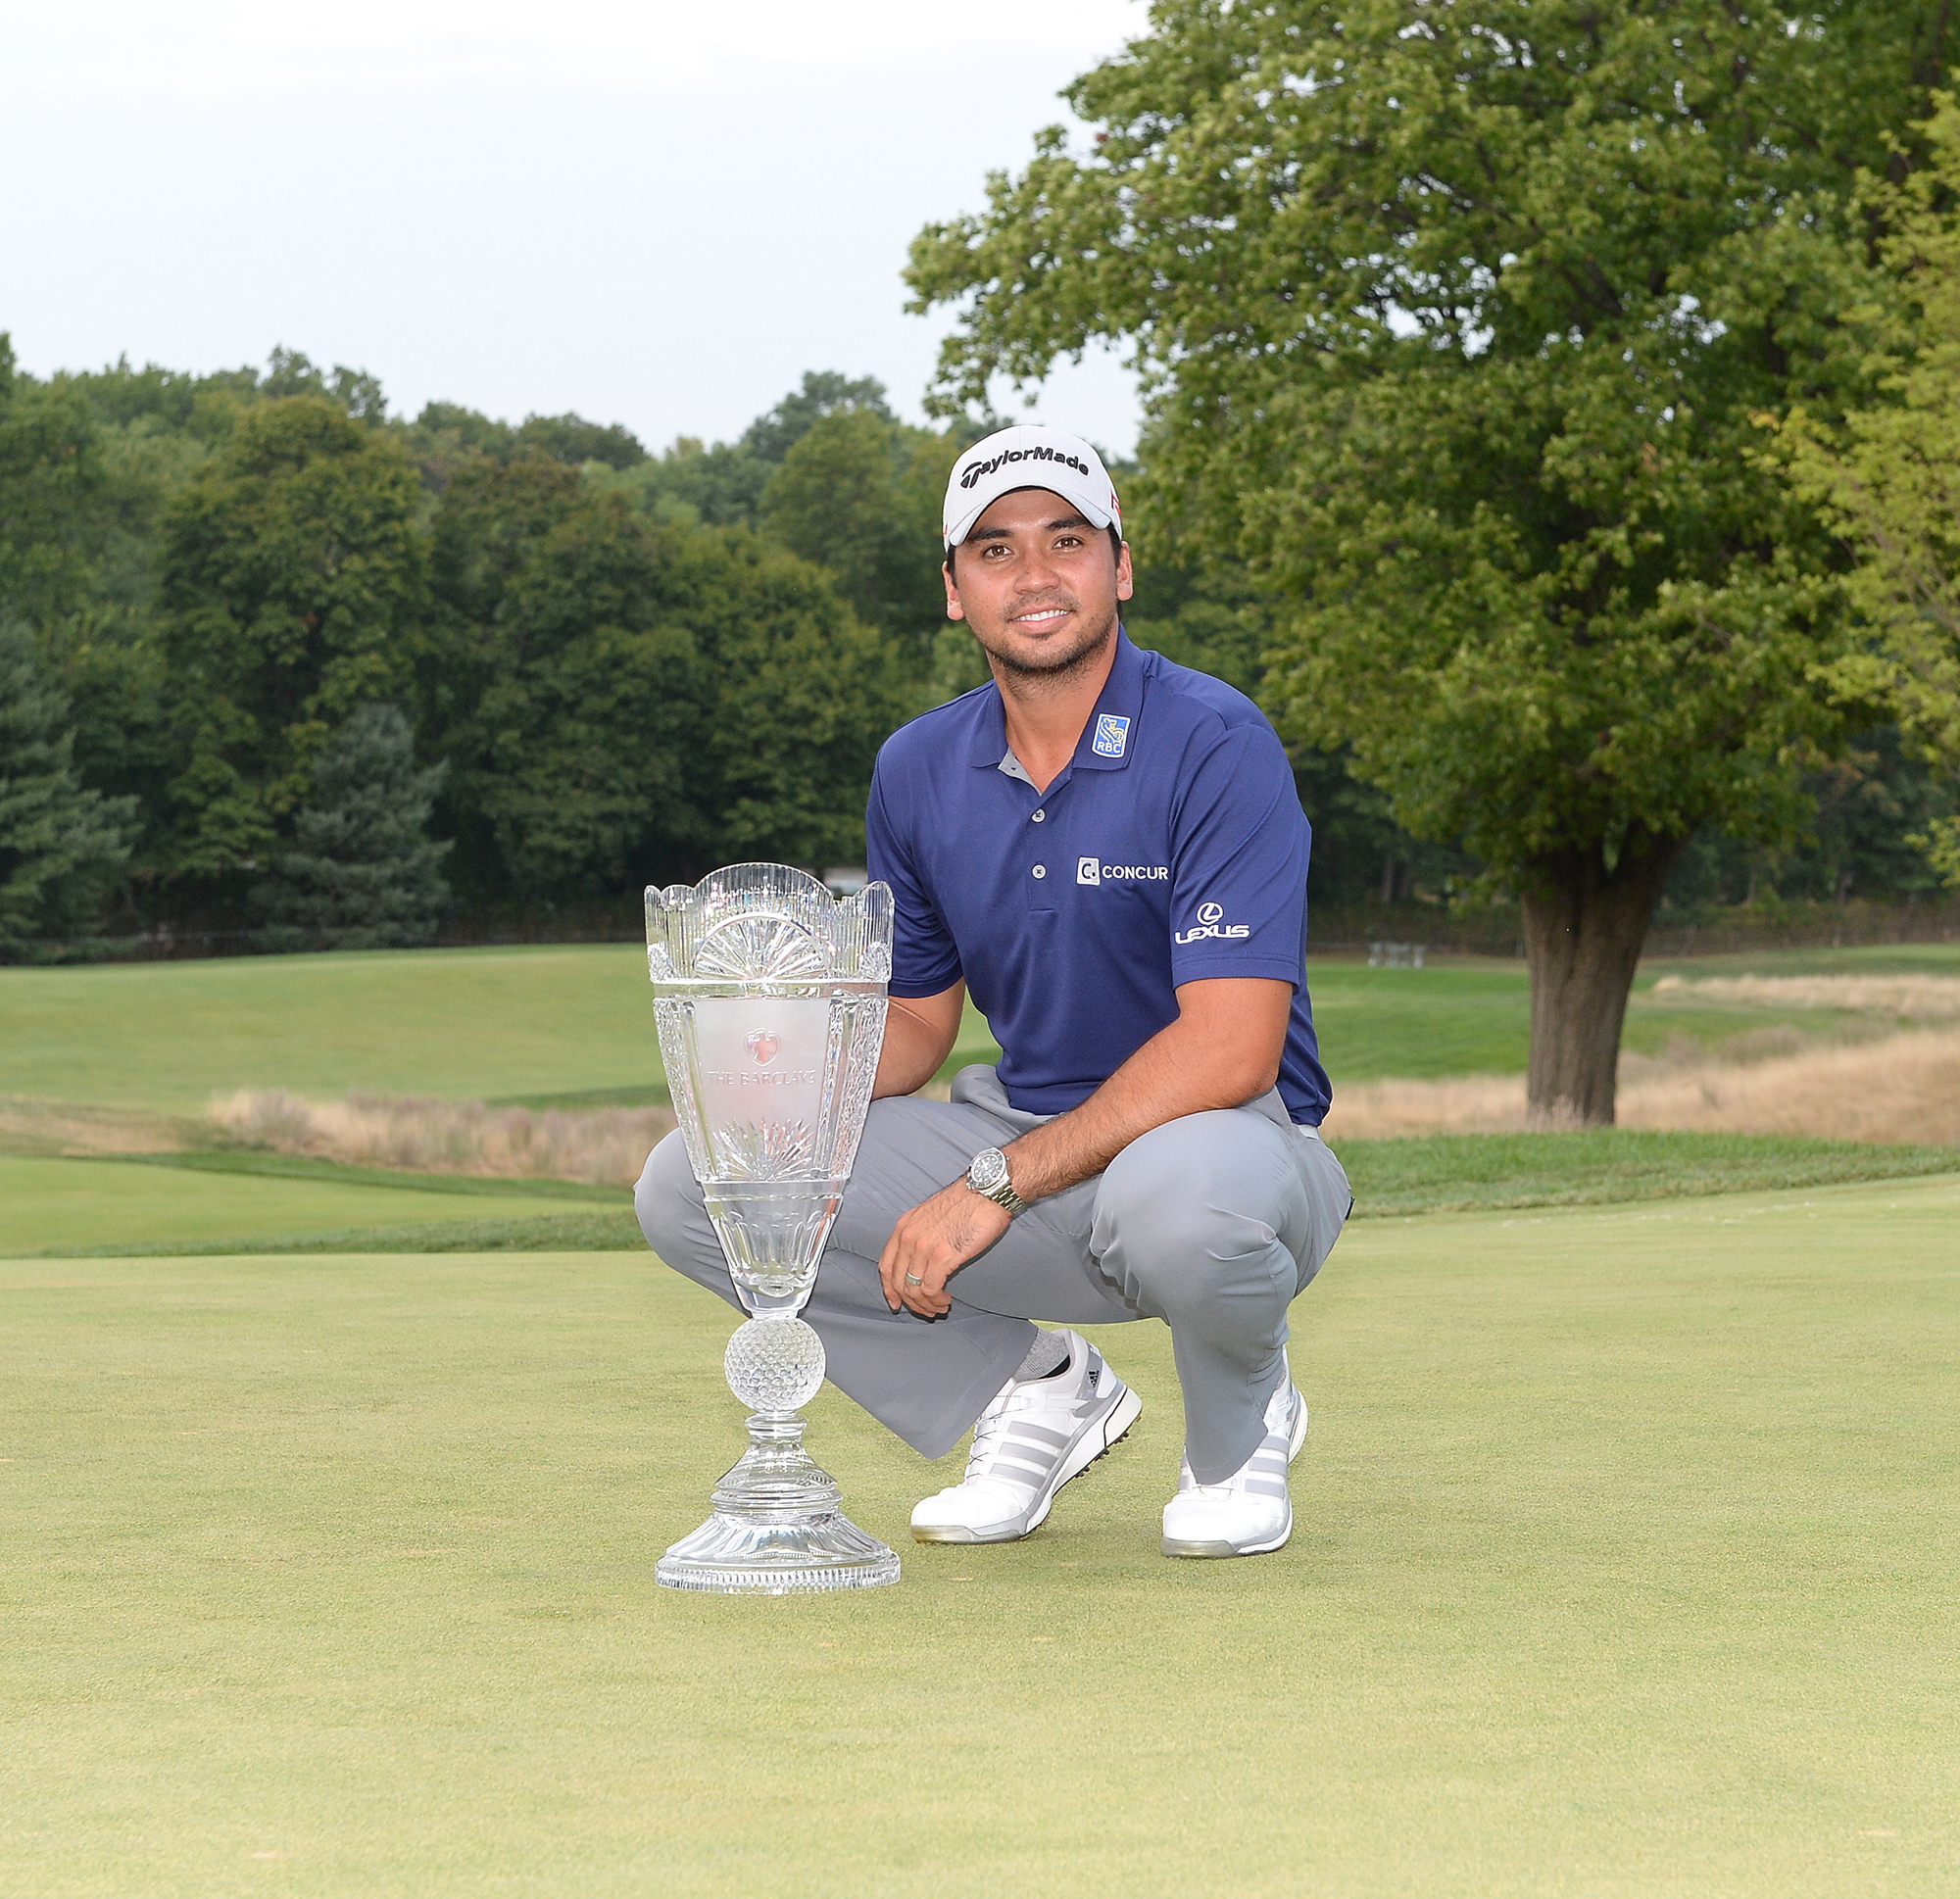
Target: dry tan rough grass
1465,1104
1905,1088
604,1145
1913,999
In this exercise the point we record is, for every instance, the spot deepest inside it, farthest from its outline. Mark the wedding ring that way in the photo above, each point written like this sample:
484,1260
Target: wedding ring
913,1279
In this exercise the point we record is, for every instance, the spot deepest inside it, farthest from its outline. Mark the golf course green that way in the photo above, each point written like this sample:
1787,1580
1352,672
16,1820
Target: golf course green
1624,1565
331,1494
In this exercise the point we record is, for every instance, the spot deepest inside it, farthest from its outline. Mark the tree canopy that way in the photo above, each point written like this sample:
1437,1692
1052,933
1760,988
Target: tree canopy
630,666
218,573
1456,322
61,843
1887,478
615,692
291,589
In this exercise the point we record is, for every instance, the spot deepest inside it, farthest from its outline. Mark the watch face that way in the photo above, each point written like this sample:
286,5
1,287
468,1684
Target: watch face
989,1169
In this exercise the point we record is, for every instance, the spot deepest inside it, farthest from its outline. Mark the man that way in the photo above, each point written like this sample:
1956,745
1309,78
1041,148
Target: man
1108,852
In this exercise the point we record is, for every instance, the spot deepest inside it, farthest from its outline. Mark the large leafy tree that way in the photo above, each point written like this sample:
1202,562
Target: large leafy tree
1455,319
292,588
860,494
578,751
627,701
82,483
50,473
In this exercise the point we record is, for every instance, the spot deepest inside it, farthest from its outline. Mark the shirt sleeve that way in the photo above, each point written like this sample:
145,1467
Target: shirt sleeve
1238,873
925,961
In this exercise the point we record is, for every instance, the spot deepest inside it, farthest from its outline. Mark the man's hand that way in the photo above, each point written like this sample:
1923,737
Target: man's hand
931,1244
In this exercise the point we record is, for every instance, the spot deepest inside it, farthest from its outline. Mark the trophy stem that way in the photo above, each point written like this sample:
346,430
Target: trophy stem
778,1527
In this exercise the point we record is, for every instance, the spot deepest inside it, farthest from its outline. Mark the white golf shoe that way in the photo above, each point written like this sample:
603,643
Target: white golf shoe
1250,1511
1036,1434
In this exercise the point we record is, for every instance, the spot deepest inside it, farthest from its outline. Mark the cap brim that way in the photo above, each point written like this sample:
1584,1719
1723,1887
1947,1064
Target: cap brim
956,534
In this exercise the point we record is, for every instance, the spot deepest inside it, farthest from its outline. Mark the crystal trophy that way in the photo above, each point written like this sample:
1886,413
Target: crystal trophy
769,995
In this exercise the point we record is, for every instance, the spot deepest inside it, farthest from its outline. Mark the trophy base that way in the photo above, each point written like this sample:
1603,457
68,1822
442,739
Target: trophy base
738,1556
777,1527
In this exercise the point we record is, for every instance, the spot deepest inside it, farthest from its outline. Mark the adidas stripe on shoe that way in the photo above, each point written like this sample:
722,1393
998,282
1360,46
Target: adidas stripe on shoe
1035,1435
1250,1512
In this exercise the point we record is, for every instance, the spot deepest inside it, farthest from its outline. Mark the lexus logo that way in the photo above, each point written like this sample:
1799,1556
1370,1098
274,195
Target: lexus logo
763,1046
1209,913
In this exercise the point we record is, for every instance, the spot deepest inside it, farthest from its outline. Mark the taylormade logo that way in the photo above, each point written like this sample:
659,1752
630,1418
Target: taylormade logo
983,469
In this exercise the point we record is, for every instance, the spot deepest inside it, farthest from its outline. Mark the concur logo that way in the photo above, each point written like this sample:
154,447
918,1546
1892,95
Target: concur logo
1209,925
1090,870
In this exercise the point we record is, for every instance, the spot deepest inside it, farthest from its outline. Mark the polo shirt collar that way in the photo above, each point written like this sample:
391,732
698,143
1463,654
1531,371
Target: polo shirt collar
1121,699
1113,723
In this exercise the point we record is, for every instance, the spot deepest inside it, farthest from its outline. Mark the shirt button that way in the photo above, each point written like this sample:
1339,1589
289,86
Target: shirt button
1039,816
1040,870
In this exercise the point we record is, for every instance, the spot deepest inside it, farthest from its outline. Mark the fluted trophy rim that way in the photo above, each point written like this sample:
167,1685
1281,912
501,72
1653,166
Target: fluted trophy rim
854,931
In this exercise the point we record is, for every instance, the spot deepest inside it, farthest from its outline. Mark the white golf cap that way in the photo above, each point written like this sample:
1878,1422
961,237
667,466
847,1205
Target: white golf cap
1029,457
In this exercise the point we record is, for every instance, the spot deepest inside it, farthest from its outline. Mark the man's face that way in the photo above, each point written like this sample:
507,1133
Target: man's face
1036,583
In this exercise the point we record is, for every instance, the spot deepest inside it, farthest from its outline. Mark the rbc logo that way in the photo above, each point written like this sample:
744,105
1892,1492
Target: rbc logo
1112,734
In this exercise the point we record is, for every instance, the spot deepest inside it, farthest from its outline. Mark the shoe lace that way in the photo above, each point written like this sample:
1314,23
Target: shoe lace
1189,1486
992,1422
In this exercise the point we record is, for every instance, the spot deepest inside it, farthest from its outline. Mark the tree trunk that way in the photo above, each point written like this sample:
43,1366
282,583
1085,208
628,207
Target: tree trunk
1583,927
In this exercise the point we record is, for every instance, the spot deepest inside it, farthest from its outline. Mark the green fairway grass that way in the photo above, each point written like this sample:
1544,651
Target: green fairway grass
1623,1566
307,1167
464,1024
586,1229
572,1027
53,1207
564,1027
1457,1016
1465,1016
1450,1173
1865,959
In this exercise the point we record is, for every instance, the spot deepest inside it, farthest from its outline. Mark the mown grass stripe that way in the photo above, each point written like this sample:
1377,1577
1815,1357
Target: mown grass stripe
303,1167
1469,1173
1392,1180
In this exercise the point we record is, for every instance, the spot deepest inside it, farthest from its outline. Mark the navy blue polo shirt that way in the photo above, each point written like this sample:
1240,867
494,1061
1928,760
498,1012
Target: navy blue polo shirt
1171,848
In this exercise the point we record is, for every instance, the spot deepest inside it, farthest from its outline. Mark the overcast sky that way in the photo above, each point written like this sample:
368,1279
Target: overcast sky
657,213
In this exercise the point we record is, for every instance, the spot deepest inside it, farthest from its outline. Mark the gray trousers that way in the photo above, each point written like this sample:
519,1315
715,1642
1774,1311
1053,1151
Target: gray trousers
1213,1223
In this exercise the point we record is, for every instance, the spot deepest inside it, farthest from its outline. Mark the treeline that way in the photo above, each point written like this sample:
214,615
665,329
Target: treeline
221,591
276,665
